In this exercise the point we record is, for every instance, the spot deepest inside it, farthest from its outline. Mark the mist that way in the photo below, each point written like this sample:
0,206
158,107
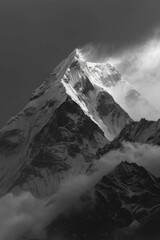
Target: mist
139,66
145,155
26,217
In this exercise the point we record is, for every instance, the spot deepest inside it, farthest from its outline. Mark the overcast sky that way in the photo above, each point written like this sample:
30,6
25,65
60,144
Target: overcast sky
35,35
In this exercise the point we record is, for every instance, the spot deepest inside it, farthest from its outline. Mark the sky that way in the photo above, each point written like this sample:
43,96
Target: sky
35,35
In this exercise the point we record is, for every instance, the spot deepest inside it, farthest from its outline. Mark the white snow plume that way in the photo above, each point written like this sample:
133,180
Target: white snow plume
97,53
139,65
26,217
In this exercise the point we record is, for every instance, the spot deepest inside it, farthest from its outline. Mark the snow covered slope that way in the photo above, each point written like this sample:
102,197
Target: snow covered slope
84,83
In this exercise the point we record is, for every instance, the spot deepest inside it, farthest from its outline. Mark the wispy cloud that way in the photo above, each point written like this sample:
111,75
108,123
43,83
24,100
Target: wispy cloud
140,66
28,216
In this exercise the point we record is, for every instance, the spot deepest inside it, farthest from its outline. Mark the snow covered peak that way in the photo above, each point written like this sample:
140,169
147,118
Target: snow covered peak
88,84
79,55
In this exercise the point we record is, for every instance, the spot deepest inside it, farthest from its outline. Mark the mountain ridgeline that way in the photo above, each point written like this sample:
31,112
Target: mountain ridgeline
69,123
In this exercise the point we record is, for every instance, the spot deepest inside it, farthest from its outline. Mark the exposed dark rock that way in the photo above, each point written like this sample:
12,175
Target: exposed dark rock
75,64
84,85
113,209
143,131
106,105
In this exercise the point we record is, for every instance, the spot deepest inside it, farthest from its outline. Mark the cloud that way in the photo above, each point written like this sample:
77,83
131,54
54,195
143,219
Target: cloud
25,215
19,215
140,66
144,155
96,52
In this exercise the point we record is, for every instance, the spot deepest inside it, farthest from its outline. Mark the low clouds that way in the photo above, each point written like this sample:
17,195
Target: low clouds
144,155
26,216
19,215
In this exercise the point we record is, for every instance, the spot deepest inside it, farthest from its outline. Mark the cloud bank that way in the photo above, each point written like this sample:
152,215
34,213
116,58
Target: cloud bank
26,217
144,155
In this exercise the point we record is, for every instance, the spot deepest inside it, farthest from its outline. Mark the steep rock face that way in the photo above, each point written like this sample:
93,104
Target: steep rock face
65,146
84,82
111,113
130,194
143,131
117,208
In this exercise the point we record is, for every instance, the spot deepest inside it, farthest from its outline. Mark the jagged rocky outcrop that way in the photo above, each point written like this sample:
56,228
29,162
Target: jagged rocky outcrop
117,208
143,131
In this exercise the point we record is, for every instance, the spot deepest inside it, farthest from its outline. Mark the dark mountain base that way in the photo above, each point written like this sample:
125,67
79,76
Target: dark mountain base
121,208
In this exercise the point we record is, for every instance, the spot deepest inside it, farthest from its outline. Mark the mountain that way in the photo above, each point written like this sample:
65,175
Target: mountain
84,82
80,113
59,131
124,201
143,131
